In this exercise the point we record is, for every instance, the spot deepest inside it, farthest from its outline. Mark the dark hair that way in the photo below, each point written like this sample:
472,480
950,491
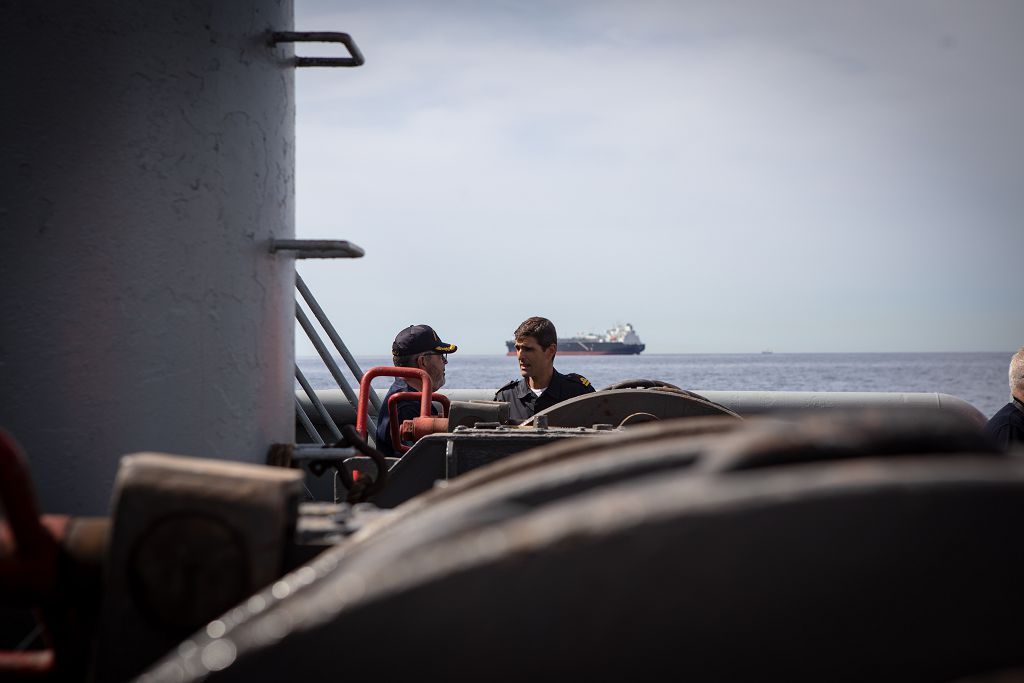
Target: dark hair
404,361
541,329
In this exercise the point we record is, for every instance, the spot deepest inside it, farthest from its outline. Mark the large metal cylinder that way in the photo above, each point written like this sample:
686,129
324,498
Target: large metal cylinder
147,162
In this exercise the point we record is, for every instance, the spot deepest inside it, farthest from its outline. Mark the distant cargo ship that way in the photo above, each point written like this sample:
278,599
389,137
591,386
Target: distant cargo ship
619,340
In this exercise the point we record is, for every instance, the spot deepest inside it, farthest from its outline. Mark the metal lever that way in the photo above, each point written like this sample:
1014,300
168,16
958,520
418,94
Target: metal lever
345,39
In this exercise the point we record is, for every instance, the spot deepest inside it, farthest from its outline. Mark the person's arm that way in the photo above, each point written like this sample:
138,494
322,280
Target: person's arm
408,410
383,434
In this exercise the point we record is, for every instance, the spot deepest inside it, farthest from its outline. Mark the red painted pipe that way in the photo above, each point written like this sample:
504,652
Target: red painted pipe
416,429
27,664
396,428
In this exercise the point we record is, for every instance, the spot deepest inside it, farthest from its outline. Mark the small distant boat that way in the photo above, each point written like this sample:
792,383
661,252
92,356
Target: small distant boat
767,351
618,341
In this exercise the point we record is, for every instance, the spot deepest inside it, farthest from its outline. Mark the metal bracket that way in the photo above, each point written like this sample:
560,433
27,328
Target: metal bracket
318,248
356,58
318,459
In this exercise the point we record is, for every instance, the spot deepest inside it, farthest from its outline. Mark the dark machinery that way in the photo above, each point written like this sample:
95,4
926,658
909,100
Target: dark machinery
873,544
460,441
870,545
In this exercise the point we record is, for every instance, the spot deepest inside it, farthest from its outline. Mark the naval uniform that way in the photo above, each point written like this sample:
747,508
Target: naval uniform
407,409
523,403
1007,426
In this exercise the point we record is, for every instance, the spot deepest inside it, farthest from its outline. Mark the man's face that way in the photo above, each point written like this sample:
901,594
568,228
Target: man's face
434,363
534,360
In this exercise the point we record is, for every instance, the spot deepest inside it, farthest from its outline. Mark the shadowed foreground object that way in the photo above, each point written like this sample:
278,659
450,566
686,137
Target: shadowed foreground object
880,545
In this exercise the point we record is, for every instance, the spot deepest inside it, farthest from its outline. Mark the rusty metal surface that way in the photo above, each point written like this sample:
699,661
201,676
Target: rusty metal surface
466,414
398,432
885,566
419,427
612,406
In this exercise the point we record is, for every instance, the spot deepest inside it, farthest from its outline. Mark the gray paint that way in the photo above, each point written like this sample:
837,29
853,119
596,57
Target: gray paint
147,161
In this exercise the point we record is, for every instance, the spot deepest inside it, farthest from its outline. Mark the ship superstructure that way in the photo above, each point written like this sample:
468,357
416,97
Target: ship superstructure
620,340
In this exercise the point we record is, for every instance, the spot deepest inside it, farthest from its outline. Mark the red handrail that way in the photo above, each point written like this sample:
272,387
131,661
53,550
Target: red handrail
389,371
28,575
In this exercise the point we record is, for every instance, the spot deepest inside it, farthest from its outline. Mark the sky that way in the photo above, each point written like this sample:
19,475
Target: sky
729,177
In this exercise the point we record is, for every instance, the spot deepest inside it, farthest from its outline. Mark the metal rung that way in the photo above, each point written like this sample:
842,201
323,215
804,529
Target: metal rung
317,248
355,58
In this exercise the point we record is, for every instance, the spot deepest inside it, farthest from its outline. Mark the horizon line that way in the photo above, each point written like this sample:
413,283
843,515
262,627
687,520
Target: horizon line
700,353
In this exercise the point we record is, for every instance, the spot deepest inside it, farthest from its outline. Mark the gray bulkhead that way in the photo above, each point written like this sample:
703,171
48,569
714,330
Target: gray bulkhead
148,160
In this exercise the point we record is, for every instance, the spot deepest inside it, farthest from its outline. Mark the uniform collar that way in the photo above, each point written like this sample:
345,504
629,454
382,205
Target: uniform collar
554,386
1017,403
523,388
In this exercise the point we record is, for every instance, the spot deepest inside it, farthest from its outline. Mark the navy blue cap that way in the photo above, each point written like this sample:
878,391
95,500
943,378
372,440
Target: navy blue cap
419,339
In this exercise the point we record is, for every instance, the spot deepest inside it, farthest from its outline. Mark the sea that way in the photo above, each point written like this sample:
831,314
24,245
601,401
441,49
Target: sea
978,378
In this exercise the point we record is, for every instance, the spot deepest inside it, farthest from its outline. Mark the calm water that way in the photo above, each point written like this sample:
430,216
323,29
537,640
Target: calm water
978,378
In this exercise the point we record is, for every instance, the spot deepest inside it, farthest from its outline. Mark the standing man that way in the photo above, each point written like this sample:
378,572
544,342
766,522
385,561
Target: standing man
541,386
417,346
1007,426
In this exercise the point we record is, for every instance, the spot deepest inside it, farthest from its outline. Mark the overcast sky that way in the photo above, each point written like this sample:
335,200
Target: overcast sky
727,176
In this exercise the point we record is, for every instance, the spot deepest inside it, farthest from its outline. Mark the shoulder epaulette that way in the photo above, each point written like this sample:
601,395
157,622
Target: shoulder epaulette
507,386
579,378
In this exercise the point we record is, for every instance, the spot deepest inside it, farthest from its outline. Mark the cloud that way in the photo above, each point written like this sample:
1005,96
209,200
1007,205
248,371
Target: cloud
681,166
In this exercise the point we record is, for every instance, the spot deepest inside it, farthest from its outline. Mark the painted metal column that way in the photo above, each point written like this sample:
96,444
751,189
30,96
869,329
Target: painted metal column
147,161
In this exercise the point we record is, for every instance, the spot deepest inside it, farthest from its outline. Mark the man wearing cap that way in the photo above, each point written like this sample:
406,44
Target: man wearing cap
417,346
541,385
